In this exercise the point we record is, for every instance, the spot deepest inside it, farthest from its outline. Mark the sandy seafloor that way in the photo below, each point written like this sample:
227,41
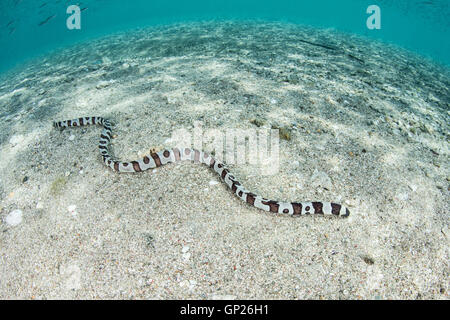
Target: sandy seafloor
370,120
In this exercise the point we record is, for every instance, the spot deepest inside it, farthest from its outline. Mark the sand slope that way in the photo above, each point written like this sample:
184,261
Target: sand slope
371,120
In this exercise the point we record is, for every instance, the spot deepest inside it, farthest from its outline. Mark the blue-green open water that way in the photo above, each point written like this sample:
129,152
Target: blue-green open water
29,28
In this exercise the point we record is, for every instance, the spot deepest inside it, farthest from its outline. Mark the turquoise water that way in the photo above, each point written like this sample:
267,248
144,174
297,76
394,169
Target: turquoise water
30,28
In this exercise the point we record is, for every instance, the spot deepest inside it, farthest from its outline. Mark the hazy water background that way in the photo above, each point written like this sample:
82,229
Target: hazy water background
418,25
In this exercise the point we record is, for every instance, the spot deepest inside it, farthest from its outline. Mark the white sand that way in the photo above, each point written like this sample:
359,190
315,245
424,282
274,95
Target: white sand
369,122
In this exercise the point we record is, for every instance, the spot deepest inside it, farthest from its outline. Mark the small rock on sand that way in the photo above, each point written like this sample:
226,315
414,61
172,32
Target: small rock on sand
185,249
14,218
72,209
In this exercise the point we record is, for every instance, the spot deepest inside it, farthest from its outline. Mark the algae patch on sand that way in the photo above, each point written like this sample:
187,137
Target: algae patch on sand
57,185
